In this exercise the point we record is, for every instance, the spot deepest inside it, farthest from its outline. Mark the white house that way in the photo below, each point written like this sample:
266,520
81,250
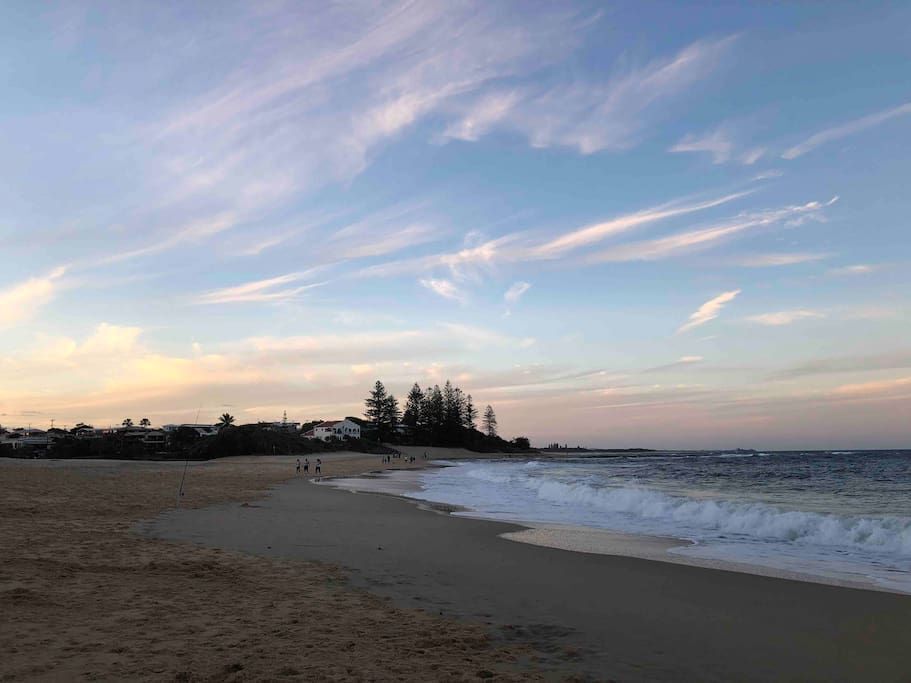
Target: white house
340,429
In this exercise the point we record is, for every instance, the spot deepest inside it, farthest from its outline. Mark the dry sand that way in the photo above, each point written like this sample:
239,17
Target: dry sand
82,596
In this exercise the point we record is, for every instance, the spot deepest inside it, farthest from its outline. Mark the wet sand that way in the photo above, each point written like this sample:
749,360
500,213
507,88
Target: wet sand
593,615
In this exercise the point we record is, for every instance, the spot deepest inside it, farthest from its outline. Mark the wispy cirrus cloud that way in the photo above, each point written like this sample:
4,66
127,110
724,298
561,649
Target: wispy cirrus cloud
856,269
780,318
196,231
465,263
515,292
592,116
682,362
890,360
708,311
483,114
782,259
718,143
663,247
846,129
877,389
595,233
261,291
392,241
444,288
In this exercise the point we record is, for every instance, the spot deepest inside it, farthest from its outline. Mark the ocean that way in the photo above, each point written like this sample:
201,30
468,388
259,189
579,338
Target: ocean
842,515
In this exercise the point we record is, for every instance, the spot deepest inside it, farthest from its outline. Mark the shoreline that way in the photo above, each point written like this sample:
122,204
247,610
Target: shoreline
591,540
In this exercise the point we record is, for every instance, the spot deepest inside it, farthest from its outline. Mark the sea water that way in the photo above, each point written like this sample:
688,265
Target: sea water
842,515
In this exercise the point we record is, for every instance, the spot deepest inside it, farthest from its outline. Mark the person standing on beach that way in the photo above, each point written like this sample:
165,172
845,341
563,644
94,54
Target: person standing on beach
298,465
319,466
306,465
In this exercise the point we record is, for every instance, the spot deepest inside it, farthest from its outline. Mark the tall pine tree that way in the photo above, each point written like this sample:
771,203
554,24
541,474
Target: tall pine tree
490,421
375,410
412,415
391,415
471,413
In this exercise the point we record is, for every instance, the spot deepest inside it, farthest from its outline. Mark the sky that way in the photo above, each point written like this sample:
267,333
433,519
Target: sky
656,224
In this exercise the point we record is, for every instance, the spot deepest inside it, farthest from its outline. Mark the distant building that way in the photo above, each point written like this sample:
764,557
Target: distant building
36,439
84,431
146,435
202,430
340,429
285,425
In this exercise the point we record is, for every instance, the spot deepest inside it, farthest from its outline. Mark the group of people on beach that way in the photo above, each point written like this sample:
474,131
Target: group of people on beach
387,459
317,470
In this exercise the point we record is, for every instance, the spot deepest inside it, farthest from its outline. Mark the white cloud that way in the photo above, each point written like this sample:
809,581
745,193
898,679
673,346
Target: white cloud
846,129
751,156
22,301
720,145
463,264
515,292
709,310
717,143
779,318
782,259
444,288
857,269
392,241
482,116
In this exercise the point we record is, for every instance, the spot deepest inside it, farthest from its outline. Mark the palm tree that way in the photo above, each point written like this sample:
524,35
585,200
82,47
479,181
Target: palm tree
145,422
127,423
225,420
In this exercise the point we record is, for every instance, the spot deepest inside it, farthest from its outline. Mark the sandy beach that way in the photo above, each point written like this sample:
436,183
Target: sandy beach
263,575
84,597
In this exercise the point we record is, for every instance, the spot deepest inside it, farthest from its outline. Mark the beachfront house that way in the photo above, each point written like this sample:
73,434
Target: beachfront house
35,439
340,429
200,429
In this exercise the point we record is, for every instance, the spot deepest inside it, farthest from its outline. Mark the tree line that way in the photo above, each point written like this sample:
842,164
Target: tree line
436,416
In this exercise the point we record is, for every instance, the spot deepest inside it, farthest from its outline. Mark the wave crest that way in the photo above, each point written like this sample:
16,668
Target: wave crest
758,521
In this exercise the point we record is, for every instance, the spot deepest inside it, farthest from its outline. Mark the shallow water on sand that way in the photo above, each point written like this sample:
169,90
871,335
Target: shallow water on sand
845,516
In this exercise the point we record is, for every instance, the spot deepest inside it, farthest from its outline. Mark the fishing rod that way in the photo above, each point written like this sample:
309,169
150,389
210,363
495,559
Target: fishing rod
186,464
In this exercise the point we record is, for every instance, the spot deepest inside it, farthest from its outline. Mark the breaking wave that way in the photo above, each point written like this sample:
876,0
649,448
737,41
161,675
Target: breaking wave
630,506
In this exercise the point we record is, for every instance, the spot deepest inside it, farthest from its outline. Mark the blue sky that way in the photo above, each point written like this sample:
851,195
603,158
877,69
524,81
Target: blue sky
657,224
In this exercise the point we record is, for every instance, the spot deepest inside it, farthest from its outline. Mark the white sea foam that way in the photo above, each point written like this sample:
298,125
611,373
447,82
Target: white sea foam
811,515
752,520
